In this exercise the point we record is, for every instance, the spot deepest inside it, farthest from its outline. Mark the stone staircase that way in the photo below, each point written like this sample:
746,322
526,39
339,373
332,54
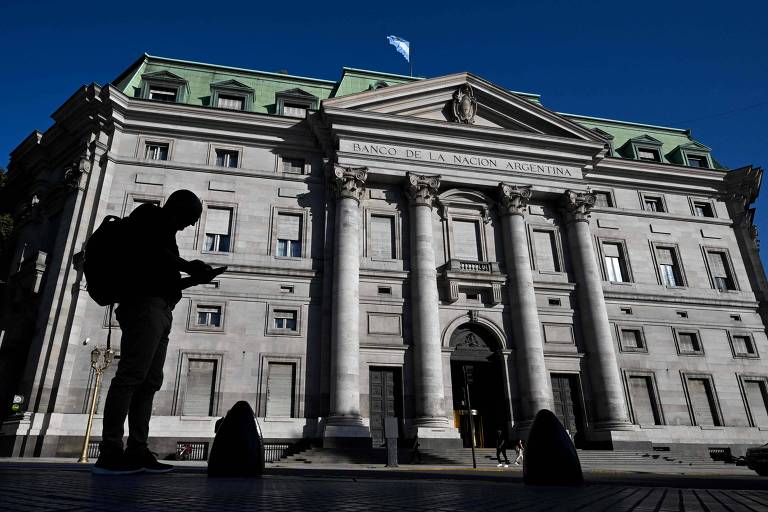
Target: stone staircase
486,457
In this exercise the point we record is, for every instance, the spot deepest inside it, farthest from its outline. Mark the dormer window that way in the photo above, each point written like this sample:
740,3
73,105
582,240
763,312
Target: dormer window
295,103
651,155
231,95
166,94
163,86
644,148
692,154
697,161
230,102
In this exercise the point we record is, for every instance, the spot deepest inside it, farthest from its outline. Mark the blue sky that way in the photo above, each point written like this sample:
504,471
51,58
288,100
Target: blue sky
699,65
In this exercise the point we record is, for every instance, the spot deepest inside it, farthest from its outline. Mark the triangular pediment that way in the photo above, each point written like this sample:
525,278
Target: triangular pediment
163,75
297,93
465,99
646,139
231,84
695,146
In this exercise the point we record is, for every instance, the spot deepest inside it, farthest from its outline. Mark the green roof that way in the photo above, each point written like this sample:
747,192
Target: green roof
265,85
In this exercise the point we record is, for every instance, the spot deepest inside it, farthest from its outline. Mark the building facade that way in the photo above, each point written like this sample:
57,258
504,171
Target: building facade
391,243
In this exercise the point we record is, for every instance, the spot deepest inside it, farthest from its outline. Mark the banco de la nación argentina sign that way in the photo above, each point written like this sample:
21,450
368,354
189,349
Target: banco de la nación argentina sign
461,159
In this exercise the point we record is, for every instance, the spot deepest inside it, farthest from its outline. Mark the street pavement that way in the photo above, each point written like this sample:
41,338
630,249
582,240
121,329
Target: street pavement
61,485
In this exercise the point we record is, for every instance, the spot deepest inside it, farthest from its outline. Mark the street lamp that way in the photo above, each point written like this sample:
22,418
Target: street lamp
100,361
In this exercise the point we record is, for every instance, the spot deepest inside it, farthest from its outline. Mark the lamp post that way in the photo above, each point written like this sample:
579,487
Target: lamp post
100,361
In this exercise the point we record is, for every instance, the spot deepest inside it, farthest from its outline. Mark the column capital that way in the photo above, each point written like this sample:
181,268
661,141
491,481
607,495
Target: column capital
421,189
513,199
348,182
579,204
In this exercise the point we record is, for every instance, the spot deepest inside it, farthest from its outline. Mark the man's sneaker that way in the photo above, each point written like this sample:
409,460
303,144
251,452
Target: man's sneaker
498,465
506,465
148,462
115,463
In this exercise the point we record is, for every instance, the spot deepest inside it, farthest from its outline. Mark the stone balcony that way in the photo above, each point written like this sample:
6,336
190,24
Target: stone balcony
458,274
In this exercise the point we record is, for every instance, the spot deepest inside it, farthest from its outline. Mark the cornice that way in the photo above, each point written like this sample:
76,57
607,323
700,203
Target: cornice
663,216
213,170
459,130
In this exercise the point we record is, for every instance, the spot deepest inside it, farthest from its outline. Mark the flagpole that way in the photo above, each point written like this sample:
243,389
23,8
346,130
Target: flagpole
410,58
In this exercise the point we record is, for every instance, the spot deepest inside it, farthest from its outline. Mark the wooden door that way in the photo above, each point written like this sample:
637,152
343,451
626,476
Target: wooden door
383,399
280,388
566,401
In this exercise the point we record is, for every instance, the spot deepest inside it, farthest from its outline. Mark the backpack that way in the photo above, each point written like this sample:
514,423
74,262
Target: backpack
106,253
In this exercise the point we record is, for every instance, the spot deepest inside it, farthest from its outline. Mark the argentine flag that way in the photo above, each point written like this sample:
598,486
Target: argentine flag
401,45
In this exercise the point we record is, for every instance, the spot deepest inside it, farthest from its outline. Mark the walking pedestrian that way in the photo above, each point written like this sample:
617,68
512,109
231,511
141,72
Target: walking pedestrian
501,448
519,451
153,288
415,453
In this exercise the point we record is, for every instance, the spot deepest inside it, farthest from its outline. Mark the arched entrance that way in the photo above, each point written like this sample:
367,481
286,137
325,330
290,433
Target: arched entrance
477,349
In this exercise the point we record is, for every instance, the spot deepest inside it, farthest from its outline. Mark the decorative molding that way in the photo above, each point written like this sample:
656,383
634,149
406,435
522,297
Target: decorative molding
514,199
464,105
422,189
579,204
349,182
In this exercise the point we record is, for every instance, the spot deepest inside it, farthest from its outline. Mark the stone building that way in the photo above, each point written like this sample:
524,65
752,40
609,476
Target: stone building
384,235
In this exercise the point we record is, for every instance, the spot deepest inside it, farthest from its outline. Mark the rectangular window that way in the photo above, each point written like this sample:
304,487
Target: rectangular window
293,165
743,345
138,202
688,343
289,235
653,204
295,110
165,94
615,263
702,209
208,316
644,406
227,157
703,403
156,151
603,200
382,237
218,229
651,155
466,240
757,401
285,319
669,267
281,379
199,387
230,102
545,247
632,340
697,161
722,277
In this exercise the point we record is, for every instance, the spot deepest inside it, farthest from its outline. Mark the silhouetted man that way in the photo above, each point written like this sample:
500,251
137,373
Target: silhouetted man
501,448
145,318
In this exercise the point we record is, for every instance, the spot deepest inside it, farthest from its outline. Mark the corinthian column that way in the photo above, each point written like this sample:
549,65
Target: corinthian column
344,419
535,392
428,367
608,395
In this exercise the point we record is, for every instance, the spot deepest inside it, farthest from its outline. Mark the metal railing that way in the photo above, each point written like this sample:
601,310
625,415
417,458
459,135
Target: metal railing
273,452
191,450
93,450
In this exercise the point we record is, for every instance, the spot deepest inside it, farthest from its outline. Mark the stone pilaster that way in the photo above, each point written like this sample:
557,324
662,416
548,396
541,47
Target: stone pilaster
344,420
607,390
535,388
430,418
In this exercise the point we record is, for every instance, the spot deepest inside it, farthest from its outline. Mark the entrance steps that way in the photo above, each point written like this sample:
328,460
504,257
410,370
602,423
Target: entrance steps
486,457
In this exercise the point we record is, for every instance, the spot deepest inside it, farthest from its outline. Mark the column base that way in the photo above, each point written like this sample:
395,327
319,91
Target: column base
346,432
613,425
436,433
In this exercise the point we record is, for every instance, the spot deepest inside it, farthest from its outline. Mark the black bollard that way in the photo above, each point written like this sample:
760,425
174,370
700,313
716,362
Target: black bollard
549,456
237,448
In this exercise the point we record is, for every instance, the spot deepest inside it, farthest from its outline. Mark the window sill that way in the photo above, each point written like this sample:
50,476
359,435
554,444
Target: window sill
746,356
620,283
205,329
216,253
690,354
633,350
289,257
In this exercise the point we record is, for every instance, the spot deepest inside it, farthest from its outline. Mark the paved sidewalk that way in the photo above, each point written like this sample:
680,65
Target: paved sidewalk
64,486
